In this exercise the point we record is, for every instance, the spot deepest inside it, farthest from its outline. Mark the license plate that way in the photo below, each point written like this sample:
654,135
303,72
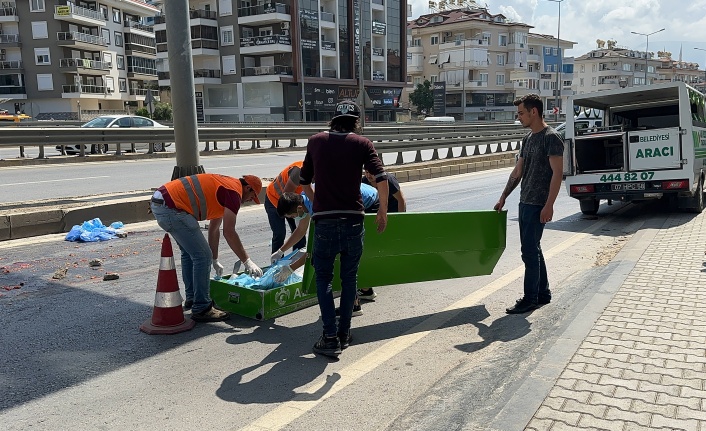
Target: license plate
627,186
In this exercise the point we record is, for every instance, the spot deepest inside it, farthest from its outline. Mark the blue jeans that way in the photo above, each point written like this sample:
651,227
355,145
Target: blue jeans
279,230
531,229
196,255
332,238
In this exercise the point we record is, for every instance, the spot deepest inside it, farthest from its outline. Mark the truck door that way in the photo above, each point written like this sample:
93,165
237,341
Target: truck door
655,149
569,157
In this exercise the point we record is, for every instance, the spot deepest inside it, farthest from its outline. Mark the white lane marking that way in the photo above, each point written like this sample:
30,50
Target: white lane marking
53,181
240,166
289,411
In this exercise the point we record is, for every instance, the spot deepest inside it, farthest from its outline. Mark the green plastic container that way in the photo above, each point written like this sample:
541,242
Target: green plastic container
415,247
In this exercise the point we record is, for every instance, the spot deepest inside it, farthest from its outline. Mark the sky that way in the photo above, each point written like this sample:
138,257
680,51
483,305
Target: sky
585,21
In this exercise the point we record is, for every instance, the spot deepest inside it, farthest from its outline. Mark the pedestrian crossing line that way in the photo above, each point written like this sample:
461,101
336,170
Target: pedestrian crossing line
291,410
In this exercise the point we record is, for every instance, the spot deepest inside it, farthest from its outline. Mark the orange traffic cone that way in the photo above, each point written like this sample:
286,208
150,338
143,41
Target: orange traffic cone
167,316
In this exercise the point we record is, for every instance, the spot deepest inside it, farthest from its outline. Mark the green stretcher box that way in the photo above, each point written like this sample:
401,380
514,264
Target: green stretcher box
415,247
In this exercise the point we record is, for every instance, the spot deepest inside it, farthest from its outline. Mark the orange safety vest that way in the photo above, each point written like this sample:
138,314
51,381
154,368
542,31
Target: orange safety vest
196,194
276,187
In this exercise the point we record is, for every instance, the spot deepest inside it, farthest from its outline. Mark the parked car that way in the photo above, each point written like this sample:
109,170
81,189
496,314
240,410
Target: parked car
107,121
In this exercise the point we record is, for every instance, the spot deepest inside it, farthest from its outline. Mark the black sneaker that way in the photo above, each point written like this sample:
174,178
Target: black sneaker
345,340
328,346
367,294
211,314
522,306
188,304
544,301
357,311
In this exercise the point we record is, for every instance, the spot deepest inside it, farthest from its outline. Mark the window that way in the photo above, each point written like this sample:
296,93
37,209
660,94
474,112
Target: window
229,67
121,62
566,83
650,69
547,50
593,81
547,67
417,81
118,38
583,68
104,12
225,7
502,41
581,82
41,56
486,38
435,40
483,77
36,6
530,67
594,67
553,85
409,79
555,51
106,35
227,35
500,79
116,15
417,41
501,59
39,30
546,85
433,79
45,82
531,50
553,67
108,59
110,84
266,31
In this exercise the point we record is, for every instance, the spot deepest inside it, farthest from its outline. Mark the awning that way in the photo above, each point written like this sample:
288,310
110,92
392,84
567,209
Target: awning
444,58
432,59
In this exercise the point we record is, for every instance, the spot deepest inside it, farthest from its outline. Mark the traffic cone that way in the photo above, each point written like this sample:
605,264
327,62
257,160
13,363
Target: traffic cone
167,316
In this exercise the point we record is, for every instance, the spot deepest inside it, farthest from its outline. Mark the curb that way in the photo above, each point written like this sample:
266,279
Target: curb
52,218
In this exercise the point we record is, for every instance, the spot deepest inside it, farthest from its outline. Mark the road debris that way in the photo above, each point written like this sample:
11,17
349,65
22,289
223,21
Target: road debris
95,263
60,273
110,276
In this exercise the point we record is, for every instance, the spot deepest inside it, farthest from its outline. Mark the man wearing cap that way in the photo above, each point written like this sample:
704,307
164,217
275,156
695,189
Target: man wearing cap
179,205
286,181
336,158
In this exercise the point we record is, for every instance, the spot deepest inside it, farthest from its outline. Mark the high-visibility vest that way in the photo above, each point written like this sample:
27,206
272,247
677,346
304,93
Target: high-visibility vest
276,187
196,194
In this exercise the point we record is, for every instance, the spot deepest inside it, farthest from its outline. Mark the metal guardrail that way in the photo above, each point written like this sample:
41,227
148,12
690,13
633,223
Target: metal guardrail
387,139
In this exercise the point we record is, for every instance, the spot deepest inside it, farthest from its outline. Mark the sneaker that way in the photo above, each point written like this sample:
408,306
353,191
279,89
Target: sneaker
345,340
522,306
357,311
544,301
367,294
211,314
328,346
188,304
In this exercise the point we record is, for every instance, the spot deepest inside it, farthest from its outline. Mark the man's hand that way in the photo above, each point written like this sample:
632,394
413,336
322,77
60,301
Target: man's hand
546,215
283,274
501,203
381,221
218,268
279,254
252,269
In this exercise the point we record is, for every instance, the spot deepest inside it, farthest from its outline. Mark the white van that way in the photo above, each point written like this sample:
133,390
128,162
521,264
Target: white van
439,120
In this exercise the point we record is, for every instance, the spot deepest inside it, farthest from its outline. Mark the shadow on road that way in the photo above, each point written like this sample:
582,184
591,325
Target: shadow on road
507,328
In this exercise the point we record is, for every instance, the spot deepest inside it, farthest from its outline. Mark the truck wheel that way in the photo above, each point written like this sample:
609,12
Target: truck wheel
589,206
698,199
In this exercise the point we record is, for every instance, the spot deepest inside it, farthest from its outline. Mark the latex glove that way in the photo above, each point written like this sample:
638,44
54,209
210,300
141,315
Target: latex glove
283,274
236,266
218,268
279,254
252,269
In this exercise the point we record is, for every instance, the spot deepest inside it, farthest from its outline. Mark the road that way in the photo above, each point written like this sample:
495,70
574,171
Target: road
428,356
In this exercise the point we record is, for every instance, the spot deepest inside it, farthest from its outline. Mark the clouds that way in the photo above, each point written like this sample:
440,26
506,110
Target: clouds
585,21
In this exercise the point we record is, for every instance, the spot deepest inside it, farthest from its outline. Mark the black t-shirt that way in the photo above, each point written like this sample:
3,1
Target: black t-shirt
393,205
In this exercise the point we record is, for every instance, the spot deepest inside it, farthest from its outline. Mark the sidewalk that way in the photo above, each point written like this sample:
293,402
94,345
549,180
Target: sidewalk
643,364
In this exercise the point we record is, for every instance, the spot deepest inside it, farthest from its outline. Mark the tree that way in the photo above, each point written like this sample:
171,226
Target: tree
422,97
162,111
143,112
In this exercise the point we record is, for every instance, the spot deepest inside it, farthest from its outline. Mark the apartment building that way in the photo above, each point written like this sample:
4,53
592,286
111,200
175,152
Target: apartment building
251,57
614,67
61,59
676,70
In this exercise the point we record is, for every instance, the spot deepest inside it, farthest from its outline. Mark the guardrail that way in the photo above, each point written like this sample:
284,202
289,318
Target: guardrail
387,139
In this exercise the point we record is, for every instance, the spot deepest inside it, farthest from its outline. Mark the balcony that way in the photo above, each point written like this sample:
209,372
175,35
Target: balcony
379,28
202,14
327,45
378,52
327,19
141,72
81,40
329,73
265,44
198,47
267,70
84,89
13,90
415,68
10,40
378,4
8,13
84,65
137,49
138,28
482,84
519,75
11,65
264,13
201,76
378,76
79,15
533,58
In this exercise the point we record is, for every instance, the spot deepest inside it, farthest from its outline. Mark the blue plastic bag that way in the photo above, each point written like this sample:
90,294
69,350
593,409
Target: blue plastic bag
94,230
267,281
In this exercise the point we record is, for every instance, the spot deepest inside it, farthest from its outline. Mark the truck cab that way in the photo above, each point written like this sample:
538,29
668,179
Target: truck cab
648,145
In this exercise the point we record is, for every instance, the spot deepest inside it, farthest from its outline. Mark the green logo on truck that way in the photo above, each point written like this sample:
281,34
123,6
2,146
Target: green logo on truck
654,152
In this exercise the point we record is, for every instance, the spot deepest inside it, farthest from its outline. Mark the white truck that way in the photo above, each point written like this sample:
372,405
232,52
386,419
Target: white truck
651,145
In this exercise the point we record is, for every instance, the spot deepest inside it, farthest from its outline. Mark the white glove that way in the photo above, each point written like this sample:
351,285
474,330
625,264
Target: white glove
218,268
236,266
252,269
279,254
283,274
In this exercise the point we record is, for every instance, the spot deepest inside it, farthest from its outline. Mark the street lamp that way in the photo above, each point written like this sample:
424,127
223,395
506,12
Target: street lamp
559,62
702,49
647,44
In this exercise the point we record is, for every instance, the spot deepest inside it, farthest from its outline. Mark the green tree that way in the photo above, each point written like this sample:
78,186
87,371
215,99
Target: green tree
143,112
422,97
162,111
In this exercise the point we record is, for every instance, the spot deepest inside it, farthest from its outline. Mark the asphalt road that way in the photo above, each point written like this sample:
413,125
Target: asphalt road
428,356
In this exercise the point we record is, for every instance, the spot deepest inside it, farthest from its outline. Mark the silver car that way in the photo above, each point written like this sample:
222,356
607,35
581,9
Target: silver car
107,121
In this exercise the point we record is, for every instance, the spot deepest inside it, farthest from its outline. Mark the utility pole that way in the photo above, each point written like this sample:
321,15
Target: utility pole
647,45
559,63
298,35
181,76
463,85
361,84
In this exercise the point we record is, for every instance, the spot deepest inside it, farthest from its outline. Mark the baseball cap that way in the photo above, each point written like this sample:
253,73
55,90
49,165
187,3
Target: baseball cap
256,184
346,108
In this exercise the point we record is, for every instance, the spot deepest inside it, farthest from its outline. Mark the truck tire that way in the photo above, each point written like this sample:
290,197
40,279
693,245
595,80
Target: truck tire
698,199
589,206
